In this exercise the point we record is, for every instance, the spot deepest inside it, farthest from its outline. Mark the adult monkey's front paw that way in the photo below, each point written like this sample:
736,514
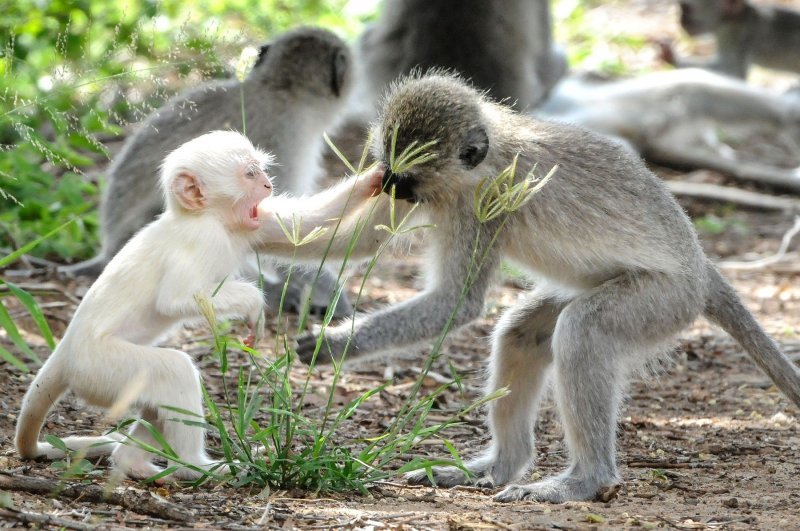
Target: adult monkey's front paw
332,347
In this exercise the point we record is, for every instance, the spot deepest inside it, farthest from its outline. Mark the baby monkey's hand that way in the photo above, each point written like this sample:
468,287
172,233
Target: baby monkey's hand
369,184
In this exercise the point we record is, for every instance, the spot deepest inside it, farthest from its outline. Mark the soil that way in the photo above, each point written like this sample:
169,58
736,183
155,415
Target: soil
704,442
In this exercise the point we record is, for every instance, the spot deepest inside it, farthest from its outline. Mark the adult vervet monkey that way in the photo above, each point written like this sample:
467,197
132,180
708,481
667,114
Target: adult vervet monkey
296,90
214,186
686,118
746,34
618,269
505,47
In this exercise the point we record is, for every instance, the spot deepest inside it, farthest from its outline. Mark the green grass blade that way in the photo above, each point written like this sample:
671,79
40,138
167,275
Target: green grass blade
216,419
10,358
29,246
338,153
159,438
14,335
36,312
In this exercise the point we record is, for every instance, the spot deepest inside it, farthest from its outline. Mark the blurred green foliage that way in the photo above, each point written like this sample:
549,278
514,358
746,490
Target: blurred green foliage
591,45
73,72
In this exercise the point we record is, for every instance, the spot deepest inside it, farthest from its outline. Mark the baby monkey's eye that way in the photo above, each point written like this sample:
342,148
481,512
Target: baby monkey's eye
252,172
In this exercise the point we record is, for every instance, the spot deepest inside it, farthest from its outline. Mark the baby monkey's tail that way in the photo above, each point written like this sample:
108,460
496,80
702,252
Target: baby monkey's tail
45,392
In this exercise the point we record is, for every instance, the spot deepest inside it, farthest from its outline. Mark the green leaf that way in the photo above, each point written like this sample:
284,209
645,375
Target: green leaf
159,438
10,358
33,308
338,153
14,335
27,247
57,443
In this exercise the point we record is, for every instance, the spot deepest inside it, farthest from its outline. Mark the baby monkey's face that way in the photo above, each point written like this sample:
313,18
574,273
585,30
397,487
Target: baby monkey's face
255,186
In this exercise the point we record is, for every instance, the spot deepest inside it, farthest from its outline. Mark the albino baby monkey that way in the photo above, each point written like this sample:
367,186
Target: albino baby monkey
213,186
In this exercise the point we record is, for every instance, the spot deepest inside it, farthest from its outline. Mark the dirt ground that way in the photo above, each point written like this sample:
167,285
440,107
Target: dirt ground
706,442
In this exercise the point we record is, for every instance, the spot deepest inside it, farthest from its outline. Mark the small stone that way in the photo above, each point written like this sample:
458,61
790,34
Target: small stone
731,503
781,418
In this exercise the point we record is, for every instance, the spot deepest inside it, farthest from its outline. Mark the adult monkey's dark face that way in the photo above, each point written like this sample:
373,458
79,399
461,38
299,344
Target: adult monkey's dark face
403,184
432,130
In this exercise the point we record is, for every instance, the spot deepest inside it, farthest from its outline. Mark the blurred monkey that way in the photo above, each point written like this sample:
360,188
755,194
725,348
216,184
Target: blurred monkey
746,34
295,91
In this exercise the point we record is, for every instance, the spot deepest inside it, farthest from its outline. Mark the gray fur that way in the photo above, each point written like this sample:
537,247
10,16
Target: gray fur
693,106
746,34
503,47
290,98
618,271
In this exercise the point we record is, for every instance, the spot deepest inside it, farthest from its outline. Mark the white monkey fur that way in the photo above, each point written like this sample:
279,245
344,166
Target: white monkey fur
150,286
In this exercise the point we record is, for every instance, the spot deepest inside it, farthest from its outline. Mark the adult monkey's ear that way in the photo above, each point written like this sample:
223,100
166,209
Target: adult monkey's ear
262,54
475,147
338,72
188,191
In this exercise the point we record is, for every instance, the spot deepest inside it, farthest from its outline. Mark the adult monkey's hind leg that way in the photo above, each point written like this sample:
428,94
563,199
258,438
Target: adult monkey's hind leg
599,337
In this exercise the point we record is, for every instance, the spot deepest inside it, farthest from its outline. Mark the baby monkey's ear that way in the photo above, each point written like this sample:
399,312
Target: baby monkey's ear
188,191
475,147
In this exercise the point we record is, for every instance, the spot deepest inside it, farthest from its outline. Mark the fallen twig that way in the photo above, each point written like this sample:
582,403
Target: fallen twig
140,501
50,520
769,260
666,464
733,195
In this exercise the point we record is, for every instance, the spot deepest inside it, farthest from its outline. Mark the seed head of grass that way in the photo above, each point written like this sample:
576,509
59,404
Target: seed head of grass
247,59
499,195
295,234
206,308
413,155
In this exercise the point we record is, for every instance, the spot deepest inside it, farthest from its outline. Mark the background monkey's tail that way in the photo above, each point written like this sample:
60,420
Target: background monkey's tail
725,308
44,393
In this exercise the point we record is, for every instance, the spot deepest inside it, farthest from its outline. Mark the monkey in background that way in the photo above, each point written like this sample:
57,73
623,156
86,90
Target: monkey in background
296,90
746,34
503,47
685,118
618,269
214,186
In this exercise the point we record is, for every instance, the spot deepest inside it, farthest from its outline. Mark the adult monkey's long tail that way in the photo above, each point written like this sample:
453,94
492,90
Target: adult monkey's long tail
725,308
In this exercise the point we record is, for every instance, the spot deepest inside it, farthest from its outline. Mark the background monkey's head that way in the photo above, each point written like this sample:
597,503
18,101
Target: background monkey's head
436,108
306,63
704,16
